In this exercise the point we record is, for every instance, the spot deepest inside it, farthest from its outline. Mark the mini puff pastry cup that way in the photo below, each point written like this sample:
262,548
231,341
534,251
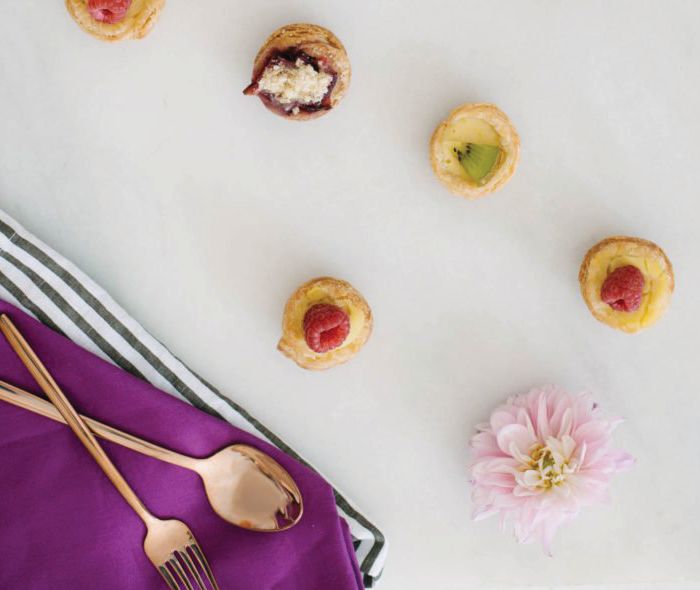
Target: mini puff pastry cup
137,23
335,292
615,252
318,43
446,165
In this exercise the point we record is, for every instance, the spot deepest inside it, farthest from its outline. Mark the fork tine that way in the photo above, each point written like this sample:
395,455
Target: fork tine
175,564
191,568
203,564
167,577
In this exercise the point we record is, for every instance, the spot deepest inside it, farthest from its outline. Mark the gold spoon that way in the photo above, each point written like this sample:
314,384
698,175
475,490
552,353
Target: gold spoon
245,486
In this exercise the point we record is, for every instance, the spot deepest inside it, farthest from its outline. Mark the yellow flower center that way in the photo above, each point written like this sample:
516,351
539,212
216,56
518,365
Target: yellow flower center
552,470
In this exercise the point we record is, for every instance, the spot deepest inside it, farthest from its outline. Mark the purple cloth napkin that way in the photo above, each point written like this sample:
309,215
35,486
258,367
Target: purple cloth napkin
63,525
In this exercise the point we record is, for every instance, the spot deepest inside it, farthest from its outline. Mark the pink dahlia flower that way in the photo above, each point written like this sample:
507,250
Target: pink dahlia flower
542,457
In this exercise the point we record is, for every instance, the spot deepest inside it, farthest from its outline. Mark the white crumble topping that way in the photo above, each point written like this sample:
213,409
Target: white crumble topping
295,84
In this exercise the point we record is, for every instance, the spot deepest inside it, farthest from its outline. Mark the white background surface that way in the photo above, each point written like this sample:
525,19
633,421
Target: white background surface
200,212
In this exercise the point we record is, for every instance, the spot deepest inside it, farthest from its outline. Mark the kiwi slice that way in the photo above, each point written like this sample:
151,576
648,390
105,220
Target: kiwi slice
478,160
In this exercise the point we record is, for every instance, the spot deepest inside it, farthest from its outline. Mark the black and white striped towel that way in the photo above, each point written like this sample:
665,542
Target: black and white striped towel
45,284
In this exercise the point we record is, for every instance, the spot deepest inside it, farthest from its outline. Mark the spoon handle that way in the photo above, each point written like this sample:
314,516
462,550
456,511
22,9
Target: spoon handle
28,401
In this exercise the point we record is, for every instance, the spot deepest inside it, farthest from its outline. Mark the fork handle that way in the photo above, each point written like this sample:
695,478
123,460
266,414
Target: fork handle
72,418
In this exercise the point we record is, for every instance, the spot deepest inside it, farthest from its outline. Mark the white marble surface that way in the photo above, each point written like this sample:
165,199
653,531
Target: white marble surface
200,212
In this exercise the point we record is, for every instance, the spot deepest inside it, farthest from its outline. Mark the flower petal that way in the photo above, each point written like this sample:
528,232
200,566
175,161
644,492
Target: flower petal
623,461
515,440
592,433
495,465
502,417
483,512
568,446
543,428
529,478
566,422
485,445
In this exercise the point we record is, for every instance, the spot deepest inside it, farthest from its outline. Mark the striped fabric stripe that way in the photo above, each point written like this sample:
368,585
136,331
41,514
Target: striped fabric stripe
42,282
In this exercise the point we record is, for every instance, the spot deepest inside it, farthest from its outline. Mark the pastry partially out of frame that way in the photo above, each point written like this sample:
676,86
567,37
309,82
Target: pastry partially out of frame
134,20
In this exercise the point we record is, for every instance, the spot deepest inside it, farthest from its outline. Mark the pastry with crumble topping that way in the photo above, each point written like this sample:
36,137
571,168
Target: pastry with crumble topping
301,72
115,20
326,322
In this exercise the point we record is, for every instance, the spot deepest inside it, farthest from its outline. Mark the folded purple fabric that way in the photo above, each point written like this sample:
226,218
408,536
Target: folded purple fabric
63,525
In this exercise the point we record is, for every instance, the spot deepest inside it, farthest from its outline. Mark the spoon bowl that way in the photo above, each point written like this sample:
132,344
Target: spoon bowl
250,489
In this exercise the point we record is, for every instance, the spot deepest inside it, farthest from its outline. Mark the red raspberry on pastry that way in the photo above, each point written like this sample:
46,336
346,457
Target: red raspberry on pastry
108,11
325,327
623,288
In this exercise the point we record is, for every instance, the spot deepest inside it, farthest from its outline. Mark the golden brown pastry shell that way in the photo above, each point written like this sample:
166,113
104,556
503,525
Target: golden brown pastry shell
591,293
339,293
510,144
317,42
139,20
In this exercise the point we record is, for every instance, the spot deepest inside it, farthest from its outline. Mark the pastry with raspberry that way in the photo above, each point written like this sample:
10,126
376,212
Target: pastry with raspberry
626,282
115,20
326,322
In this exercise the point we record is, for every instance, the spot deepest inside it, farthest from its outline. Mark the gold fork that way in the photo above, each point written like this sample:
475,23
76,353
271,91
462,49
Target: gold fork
169,544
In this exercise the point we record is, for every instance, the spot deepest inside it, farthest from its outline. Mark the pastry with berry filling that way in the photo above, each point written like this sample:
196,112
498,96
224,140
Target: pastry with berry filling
301,72
475,151
115,20
627,283
326,322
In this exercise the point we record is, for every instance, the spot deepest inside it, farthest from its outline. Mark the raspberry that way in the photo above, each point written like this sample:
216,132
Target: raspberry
622,289
325,327
108,11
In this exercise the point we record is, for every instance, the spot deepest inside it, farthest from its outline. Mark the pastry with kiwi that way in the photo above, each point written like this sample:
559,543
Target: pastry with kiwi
475,151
